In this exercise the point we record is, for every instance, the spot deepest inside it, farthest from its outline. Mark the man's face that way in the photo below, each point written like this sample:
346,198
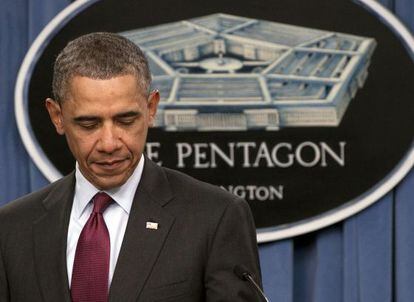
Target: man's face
106,124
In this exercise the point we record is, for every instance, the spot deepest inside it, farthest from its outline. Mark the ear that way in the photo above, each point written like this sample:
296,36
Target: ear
153,101
55,113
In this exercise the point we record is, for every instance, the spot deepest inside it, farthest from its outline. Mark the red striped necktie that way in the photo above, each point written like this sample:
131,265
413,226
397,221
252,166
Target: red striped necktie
91,265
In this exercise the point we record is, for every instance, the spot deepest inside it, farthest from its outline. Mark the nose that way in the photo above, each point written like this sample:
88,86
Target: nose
109,140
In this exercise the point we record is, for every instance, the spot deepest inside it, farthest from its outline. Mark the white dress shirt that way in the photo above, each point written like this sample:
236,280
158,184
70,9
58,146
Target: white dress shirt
115,216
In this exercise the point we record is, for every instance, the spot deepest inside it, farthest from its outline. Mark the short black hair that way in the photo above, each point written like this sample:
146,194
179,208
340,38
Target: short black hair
99,55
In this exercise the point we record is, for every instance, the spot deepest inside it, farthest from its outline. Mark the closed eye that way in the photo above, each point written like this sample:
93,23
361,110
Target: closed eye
86,122
126,120
88,125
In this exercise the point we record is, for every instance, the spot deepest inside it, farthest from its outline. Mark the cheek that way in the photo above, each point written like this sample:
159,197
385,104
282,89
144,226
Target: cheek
135,140
81,147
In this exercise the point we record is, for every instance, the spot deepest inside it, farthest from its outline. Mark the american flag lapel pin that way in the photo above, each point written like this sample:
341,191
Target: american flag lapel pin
152,225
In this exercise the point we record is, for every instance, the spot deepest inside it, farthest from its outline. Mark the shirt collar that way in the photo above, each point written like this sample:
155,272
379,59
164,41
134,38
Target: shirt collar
123,195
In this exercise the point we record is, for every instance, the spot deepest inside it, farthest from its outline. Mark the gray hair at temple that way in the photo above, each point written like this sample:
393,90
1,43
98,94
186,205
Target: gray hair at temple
99,55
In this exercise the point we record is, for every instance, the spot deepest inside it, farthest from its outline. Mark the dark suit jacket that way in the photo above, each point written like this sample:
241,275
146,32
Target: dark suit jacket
203,233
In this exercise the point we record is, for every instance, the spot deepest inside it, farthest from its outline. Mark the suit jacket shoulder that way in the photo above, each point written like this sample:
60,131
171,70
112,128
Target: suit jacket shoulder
30,206
33,244
199,192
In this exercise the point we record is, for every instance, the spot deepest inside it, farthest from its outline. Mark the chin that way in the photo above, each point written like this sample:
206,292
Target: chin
108,184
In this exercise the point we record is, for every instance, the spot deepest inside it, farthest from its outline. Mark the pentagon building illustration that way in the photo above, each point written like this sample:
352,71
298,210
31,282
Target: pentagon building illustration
227,73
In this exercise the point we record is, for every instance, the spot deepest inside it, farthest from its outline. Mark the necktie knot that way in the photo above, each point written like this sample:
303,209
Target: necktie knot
100,202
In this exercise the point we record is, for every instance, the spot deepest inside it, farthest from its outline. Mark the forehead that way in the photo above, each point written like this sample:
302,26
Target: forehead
104,94
131,82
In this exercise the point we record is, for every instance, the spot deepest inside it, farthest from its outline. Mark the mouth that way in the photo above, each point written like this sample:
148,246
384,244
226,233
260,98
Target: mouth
110,164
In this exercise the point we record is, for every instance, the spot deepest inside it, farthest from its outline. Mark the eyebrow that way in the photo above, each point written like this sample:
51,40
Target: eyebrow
128,114
85,118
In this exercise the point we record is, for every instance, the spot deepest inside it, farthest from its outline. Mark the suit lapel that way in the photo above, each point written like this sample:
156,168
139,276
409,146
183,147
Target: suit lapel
49,233
141,245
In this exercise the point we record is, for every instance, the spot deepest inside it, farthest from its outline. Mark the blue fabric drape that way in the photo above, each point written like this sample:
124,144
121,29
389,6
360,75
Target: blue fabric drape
404,240
368,257
14,161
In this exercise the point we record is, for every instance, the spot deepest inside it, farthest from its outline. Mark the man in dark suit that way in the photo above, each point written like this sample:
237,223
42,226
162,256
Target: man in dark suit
120,228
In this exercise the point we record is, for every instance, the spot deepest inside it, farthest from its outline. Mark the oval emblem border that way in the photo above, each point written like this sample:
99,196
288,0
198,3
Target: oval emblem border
263,234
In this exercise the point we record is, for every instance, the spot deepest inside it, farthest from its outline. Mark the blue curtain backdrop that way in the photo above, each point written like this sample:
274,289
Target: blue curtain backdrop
368,257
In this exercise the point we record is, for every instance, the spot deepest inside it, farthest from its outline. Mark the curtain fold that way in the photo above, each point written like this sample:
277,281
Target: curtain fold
404,240
277,270
13,158
375,251
351,261
329,268
367,258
